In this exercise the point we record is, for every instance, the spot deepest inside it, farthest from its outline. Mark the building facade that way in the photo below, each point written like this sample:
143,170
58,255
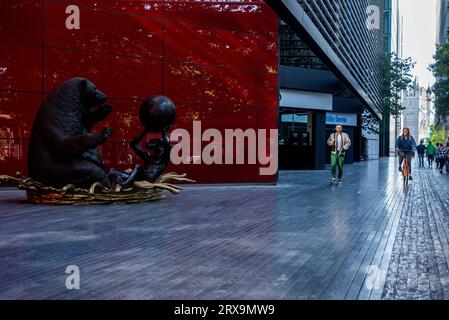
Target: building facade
442,21
442,38
392,28
418,114
383,143
410,114
393,38
330,72
426,113
216,60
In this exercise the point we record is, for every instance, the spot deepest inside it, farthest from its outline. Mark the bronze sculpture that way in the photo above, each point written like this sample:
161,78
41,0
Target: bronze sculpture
62,150
65,165
157,114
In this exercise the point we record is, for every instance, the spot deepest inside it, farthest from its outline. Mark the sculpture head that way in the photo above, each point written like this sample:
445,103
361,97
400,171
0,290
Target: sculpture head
92,97
157,114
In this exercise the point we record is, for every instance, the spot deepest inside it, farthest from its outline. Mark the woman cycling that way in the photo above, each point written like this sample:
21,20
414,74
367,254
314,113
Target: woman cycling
405,146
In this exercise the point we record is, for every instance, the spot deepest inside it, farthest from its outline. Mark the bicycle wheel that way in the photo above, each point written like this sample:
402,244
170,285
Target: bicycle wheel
406,172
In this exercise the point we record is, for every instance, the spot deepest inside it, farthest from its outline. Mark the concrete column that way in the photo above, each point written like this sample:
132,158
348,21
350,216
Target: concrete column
357,139
319,139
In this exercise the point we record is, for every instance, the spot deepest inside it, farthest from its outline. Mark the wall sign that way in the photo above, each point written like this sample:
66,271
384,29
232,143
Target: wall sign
294,118
345,119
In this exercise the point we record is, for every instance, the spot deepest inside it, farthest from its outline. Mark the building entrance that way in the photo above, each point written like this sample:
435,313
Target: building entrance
295,140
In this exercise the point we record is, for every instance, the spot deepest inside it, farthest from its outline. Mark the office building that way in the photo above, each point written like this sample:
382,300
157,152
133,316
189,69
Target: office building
218,61
331,65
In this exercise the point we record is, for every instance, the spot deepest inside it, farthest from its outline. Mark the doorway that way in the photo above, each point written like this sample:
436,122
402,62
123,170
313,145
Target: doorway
295,140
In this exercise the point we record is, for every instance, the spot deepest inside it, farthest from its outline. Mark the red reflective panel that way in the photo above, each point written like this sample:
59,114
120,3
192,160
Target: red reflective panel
149,8
203,45
210,85
219,173
17,114
217,117
268,90
272,166
227,117
222,118
269,20
21,21
104,31
186,114
220,69
124,119
20,67
14,156
268,118
116,76
235,15
268,53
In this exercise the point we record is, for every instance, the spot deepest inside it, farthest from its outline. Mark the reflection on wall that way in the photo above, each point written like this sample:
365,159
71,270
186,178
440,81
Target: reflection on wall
216,60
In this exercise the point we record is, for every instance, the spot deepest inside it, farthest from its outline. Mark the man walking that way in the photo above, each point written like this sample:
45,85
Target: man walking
340,143
431,150
421,149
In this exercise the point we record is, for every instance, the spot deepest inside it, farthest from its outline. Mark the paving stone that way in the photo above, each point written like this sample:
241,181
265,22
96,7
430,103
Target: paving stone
369,238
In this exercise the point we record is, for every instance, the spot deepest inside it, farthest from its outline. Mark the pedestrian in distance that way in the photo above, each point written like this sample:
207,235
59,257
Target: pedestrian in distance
421,149
364,148
447,158
431,150
340,142
441,156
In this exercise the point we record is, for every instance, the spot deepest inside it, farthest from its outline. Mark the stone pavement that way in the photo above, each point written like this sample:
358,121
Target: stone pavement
302,239
419,263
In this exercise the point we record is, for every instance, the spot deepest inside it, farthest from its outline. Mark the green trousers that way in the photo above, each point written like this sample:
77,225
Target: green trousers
337,160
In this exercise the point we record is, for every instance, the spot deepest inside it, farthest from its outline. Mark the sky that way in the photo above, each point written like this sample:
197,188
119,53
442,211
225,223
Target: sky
420,18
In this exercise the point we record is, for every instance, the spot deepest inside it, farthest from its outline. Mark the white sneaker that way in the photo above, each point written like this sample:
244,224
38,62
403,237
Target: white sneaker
334,180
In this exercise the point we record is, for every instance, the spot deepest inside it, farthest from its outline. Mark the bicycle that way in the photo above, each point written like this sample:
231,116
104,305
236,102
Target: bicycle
406,170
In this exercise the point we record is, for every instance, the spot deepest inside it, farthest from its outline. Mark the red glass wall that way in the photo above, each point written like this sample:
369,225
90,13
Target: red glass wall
217,60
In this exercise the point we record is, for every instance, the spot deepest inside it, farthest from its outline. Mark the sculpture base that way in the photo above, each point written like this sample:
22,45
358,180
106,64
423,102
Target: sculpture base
142,191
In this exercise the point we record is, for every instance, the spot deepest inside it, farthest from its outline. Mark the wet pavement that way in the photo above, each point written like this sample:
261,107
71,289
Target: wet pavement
369,238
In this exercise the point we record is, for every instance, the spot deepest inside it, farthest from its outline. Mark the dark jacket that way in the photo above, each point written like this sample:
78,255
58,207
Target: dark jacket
421,149
405,145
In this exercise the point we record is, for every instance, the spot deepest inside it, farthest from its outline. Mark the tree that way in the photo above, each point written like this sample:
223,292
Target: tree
437,135
397,77
440,70
370,122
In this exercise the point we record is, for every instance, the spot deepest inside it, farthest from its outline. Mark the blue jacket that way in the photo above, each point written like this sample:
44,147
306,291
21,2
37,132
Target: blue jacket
405,145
